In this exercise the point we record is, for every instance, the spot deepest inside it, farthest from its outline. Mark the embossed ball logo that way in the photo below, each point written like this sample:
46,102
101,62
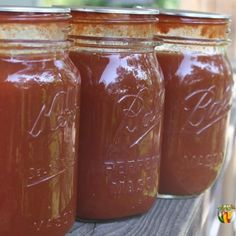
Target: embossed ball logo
226,213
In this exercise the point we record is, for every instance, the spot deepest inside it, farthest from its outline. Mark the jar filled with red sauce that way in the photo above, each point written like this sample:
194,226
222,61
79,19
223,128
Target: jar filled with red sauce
121,111
39,95
198,83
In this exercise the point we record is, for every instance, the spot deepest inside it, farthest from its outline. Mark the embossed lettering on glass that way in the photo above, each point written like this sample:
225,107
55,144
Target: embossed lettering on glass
198,82
39,104
121,106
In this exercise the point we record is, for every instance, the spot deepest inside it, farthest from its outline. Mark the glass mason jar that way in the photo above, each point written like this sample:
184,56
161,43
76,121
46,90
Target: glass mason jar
39,89
198,83
121,111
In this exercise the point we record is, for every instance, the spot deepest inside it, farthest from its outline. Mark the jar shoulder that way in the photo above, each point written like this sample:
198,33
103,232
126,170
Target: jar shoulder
193,67
37,70
117,69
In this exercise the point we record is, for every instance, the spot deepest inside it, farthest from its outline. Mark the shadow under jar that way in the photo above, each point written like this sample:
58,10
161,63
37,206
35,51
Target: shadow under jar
198,83
121,111
39,104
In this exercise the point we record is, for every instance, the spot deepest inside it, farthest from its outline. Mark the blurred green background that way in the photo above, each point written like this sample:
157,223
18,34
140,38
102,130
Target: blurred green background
123,3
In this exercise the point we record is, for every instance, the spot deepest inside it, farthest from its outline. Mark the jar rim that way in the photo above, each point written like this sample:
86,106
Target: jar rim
116,10
28,9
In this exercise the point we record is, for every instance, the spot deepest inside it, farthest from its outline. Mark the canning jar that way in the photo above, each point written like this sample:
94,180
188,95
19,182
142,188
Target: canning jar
39,95
198,83
121,111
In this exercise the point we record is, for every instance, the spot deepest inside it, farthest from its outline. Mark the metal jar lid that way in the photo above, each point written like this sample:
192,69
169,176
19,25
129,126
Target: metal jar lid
193,14
115,10
34,9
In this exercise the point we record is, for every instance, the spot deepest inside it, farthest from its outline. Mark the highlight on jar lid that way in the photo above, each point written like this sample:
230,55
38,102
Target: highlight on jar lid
113,22
193,14
193,24
34,23
34,9
116,10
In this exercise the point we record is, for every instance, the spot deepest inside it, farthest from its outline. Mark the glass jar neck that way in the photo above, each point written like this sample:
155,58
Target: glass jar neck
198,28
33,33
34,26
113,32
113,25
